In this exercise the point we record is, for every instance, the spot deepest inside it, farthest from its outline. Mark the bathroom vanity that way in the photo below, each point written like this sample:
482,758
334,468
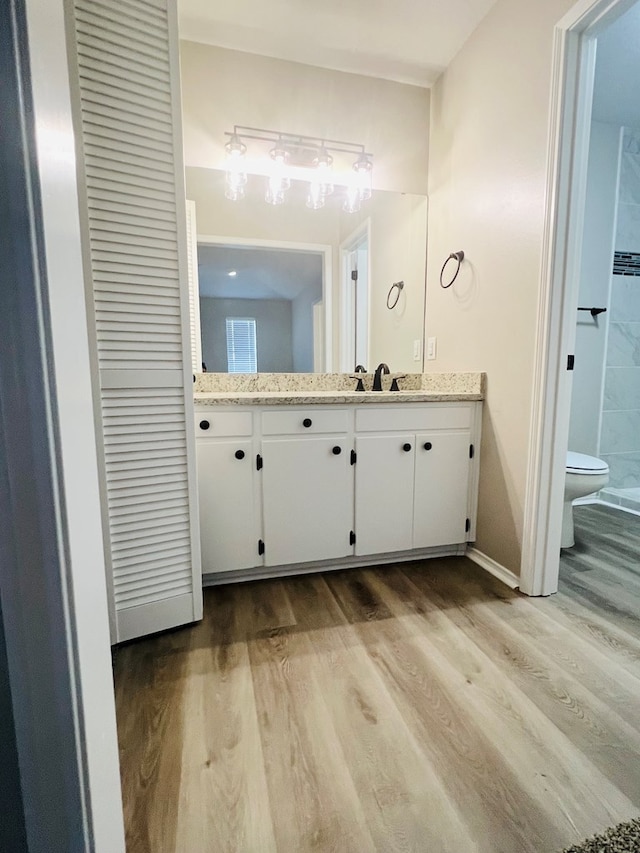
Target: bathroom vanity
304,480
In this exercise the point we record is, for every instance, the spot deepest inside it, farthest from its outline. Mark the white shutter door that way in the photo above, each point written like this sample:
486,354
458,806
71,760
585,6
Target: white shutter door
194,288
129,120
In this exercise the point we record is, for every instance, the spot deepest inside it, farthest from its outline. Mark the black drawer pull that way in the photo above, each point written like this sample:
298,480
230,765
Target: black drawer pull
204,424
239,454
337,450
406,447
428,445
307,422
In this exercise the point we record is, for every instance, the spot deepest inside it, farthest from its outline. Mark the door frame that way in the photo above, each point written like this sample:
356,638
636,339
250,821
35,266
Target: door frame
573,68
54,596
315,248
347,318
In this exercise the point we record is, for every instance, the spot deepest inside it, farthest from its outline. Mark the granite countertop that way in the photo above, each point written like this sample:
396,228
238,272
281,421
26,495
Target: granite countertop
307,398
331,389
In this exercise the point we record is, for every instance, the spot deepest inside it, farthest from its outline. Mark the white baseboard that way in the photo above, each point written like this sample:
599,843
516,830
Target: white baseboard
490,565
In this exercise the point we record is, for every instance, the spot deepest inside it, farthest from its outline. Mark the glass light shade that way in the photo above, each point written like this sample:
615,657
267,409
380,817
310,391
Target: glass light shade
315,199
279,155
234,184
276,189
363,168
235,177
235,148
352,201
322,163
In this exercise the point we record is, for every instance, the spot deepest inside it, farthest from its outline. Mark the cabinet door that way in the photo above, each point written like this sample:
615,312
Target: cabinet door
228,529
441,489
307,492
384,493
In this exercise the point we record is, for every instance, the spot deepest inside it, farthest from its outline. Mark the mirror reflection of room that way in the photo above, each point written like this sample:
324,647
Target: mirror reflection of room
257,309
386,118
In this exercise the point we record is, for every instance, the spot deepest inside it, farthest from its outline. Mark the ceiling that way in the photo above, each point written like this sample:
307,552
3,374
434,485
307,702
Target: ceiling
261,273
409,41
616,98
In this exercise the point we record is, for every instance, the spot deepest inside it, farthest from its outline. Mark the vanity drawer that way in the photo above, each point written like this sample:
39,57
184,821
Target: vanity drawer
213,423
302,421
413,417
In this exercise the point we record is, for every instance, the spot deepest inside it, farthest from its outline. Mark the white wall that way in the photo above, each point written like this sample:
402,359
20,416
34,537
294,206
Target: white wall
595,284
487,178
398,224
222,88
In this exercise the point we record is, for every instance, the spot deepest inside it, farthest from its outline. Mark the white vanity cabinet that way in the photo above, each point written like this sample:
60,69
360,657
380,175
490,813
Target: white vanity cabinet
227,492
335,485
307,485
384,493
413,476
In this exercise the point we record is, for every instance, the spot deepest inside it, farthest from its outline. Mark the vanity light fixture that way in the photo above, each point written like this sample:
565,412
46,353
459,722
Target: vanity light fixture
309,159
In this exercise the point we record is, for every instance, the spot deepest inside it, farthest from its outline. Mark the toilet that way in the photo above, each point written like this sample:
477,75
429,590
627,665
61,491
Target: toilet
585,475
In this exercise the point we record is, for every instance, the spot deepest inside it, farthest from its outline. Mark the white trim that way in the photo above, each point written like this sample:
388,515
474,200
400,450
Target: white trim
354,562
494,568
571,97
55,611
347,321
327,274
185,310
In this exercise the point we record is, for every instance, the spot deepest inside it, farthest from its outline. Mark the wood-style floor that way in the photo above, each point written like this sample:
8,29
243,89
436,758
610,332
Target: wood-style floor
422,707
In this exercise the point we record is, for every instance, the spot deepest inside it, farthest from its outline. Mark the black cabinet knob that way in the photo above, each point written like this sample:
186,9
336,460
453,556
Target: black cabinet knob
406,447
307,422
427,445
239,454
337,450
204,424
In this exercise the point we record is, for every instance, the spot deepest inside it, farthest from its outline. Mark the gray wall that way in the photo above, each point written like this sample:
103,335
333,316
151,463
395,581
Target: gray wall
273,332
302,332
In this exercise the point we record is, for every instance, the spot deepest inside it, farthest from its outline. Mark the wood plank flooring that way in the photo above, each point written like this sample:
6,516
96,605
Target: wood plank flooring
420,707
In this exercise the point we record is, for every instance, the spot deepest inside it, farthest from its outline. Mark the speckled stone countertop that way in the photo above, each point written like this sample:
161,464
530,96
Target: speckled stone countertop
303,389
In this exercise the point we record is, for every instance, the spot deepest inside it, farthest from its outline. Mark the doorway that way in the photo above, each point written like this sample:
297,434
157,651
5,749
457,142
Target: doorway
354,299
574,66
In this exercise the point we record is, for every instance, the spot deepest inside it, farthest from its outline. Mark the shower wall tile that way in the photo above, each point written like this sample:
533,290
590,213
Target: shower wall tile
629,179
625,299
631,141
623,349
624,469
620,432
622,389
628,228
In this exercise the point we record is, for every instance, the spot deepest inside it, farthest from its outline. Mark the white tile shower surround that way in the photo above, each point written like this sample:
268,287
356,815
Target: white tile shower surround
627,499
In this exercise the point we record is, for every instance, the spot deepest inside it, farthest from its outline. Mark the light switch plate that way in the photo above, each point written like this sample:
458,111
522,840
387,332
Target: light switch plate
431,349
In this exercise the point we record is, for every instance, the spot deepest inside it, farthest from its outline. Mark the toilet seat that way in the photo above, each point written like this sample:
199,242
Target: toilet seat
581,463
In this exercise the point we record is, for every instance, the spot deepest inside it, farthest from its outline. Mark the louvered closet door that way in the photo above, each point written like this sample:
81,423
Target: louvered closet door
128,119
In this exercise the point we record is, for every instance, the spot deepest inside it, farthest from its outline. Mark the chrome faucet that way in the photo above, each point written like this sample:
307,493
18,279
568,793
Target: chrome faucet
377,379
